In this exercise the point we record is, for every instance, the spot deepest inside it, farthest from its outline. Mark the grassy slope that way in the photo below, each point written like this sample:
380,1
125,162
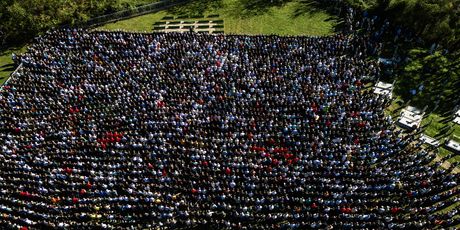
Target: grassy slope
138,24
277,20
6,63
292,18
5,66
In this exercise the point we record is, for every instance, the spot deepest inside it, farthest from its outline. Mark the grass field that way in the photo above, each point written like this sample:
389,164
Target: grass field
6,63
441,127
296,17
5,66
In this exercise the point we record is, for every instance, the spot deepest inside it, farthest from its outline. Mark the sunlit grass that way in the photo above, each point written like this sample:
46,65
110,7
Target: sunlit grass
6,62
292,18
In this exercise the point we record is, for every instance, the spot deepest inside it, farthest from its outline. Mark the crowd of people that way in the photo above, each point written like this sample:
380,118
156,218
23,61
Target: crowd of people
129,130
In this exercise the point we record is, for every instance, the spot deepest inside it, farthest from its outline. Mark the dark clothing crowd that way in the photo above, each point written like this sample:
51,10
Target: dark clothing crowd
120,130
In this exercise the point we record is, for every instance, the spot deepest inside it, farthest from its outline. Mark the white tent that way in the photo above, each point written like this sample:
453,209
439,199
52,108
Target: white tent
453,145
429,140
383,88
457,117
411,117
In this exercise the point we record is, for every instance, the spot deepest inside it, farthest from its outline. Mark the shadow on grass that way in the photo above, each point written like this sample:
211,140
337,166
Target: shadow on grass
440,88
13,49
447,93
446,120
11,65
250,8
444,131
313,7
307,7
257,7
195,8
9,69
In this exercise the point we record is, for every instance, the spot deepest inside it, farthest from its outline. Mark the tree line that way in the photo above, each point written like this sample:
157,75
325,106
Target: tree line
21,20
433,20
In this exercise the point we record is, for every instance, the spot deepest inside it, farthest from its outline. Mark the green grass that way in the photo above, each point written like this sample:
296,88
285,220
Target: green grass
296,17
139,24
435,124
454,159
394,108
456,134
6,63
439,127
443,152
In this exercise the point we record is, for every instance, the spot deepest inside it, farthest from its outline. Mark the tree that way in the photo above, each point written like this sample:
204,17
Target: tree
21,20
